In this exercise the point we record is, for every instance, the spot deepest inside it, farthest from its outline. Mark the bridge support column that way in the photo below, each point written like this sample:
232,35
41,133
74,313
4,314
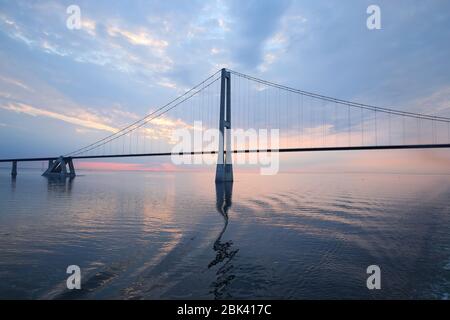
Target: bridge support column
58,168
224,169
14,169
71,167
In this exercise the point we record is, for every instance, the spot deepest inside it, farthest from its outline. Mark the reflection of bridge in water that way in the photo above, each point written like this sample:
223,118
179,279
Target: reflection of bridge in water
306,122
224,251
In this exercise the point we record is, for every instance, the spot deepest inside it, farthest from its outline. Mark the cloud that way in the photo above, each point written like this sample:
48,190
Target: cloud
138,38
89,26
15,82
400,161
101,43
32,111
254,22
160,128
82,130
436,103
168,84
53,49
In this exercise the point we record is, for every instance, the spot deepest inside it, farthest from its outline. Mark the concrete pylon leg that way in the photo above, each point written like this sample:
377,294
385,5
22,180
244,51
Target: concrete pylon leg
63,165
14,169
71,167
228,174
224,169
51,168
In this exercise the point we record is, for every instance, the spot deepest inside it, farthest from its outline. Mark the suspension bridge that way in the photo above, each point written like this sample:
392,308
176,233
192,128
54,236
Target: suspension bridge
306,122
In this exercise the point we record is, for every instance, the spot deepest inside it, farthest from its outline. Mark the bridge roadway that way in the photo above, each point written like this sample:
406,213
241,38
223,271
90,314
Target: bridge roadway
281,150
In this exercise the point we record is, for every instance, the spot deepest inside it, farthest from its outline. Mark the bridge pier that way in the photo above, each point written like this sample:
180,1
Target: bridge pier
58,168
224,169
14,169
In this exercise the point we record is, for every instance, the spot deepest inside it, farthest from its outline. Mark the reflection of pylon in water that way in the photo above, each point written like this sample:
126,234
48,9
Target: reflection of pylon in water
224,252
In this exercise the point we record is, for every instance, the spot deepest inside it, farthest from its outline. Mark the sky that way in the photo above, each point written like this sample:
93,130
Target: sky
61,89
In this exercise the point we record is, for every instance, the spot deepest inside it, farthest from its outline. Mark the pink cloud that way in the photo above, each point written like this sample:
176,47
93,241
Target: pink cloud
407,161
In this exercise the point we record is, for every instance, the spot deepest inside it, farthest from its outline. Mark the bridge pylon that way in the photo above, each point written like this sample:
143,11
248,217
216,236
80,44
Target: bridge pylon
224,169
14,169
58,168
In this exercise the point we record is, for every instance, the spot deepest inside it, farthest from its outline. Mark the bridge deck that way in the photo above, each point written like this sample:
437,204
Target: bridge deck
354,148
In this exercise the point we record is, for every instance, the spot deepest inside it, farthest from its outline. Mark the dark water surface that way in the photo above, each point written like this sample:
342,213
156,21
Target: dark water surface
178,235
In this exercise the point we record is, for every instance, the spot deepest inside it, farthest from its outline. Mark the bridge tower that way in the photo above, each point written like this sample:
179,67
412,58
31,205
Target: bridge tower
224,169
14,169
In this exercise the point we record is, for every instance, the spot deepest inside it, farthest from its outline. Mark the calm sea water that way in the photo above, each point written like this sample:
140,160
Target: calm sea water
179,235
